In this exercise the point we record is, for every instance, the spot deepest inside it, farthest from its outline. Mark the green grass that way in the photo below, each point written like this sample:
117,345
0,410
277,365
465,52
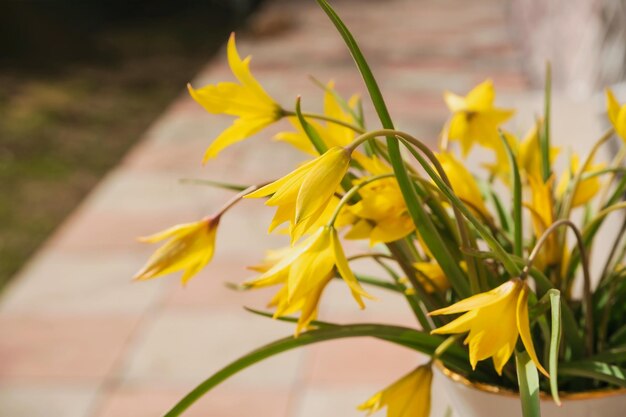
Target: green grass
64,125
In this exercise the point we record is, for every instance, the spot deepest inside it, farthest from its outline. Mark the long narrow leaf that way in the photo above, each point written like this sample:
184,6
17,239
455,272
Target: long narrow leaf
555,343
528,379
414,339
602,371
518,227
310,131
414,204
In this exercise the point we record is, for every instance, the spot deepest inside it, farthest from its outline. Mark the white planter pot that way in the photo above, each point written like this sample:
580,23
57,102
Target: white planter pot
474,400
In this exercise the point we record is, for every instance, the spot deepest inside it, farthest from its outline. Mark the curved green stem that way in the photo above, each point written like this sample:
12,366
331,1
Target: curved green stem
569,199
587,296
351,192
357,129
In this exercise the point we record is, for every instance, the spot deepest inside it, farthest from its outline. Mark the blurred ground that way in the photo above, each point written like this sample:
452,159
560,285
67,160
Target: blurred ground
80,340
79,83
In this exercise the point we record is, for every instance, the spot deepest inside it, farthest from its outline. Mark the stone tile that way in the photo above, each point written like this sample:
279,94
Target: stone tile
141,193
221,402
92,230
37,400
209,289
183,346
61,347
57,282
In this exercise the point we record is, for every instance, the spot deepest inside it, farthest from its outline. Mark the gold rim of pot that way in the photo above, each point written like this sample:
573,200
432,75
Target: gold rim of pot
493,389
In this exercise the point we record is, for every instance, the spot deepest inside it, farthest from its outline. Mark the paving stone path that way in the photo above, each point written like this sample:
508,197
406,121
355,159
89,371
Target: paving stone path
79,339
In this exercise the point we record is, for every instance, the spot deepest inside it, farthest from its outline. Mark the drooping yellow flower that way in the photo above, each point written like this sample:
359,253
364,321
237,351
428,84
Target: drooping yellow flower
542,217
407,397
494,320
331,133
302,196
246,100
474,119
463,183
189,248
586,190
304,271
381,214
617,114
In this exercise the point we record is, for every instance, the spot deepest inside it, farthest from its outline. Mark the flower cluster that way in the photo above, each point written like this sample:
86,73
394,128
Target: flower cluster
447,237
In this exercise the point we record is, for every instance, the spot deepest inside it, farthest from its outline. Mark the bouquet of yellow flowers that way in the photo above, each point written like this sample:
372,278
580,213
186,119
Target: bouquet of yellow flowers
485,279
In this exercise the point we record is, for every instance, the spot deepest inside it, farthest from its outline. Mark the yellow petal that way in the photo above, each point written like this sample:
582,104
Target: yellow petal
241,70
523,327
481,97
612,106
410,396
454,102
321,182
290,181
345,272
480,300
241,129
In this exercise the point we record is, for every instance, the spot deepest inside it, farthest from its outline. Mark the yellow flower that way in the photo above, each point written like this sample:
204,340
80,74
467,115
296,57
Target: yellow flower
435,278
463,183
302,196
586,189
494,320
381,214
542,216
617,114
304,271
407,397
474,117
189,248
246,100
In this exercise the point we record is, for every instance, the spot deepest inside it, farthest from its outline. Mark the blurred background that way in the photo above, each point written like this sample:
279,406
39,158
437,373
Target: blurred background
79,82
96,130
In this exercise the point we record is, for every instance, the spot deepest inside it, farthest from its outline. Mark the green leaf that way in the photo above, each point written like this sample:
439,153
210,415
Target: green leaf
404,336
555,343
614,355
499,253
414,204
216,184
362,65
340,100
601,371
518,227
528,379
365,279
310,131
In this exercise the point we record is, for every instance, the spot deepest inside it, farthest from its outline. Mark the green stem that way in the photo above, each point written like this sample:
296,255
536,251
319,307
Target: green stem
444,186
569,199
545,136
347,197
325,118
587,296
